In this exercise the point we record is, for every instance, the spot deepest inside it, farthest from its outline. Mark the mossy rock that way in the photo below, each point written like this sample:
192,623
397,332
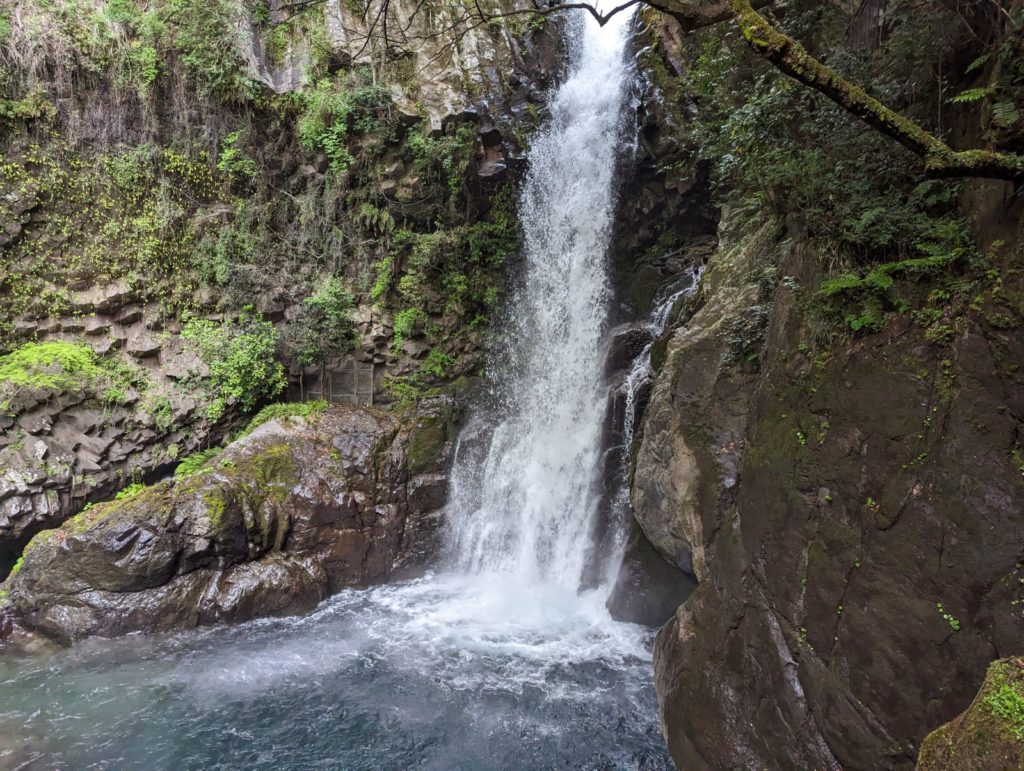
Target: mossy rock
988,735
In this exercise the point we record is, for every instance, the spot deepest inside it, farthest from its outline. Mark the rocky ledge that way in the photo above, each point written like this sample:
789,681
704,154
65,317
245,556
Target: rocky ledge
292,513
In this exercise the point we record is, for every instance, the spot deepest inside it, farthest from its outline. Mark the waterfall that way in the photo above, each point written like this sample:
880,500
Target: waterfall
525,504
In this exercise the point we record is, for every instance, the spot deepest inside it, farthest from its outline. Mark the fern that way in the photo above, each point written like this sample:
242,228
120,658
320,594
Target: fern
981,61
194,462
1005,113
972,95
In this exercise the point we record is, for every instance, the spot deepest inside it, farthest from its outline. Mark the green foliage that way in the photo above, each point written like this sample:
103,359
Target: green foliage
407,322
61,366
948,617
972,95
54,365
875,293
240,356
776,143
195,462
323,330
130,491
283,410
206,32
35,105
233,161
332,112
445,159
1007,703
437,363
377,221
385,269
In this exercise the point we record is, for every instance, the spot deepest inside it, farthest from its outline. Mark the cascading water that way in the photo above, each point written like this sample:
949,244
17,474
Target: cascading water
527,509
642,373
501,661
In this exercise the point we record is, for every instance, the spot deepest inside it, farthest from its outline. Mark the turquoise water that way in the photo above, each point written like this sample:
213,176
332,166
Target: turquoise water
439,673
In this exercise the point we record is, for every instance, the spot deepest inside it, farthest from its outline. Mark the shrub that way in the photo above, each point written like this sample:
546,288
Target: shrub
332,112
240,356
323,330
206,32
233,161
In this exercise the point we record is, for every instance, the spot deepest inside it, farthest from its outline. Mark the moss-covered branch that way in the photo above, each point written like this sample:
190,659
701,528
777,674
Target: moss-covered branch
691,16
939,159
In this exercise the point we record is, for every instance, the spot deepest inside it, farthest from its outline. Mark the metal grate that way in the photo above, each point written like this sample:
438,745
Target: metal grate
349,383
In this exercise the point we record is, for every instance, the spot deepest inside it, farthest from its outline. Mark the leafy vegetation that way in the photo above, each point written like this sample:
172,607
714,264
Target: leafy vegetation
233,161
195,462
206,33
130,491
876,221
332,112
240,356
62,366
1006,702
323,330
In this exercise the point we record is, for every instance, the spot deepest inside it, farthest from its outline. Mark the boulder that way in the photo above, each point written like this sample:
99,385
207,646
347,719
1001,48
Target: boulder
292,513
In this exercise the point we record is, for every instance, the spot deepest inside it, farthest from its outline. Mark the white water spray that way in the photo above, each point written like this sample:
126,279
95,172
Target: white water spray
525,508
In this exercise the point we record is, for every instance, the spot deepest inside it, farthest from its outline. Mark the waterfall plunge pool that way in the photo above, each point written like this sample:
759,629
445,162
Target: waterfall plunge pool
444,672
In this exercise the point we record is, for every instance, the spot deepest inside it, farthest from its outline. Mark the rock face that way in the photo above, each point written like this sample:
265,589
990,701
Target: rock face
852,515
66,446
280,520
989,735
118,219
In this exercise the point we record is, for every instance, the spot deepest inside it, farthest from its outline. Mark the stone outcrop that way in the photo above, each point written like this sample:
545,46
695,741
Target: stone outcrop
61,447
281,519
852,514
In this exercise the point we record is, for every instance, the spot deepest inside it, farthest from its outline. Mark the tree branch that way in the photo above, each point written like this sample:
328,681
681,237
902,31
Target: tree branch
691,16
939,159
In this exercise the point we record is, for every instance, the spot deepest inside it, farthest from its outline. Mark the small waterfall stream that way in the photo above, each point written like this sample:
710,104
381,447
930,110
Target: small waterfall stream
642,373
501,660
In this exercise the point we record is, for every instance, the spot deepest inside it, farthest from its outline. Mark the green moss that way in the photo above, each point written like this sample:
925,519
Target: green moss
17,567
426,442
990,733
1006,700
54,365
216,505
264,480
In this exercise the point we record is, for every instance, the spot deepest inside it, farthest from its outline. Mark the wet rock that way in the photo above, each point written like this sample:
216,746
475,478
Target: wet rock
855,534
648,589
626,341
281,519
